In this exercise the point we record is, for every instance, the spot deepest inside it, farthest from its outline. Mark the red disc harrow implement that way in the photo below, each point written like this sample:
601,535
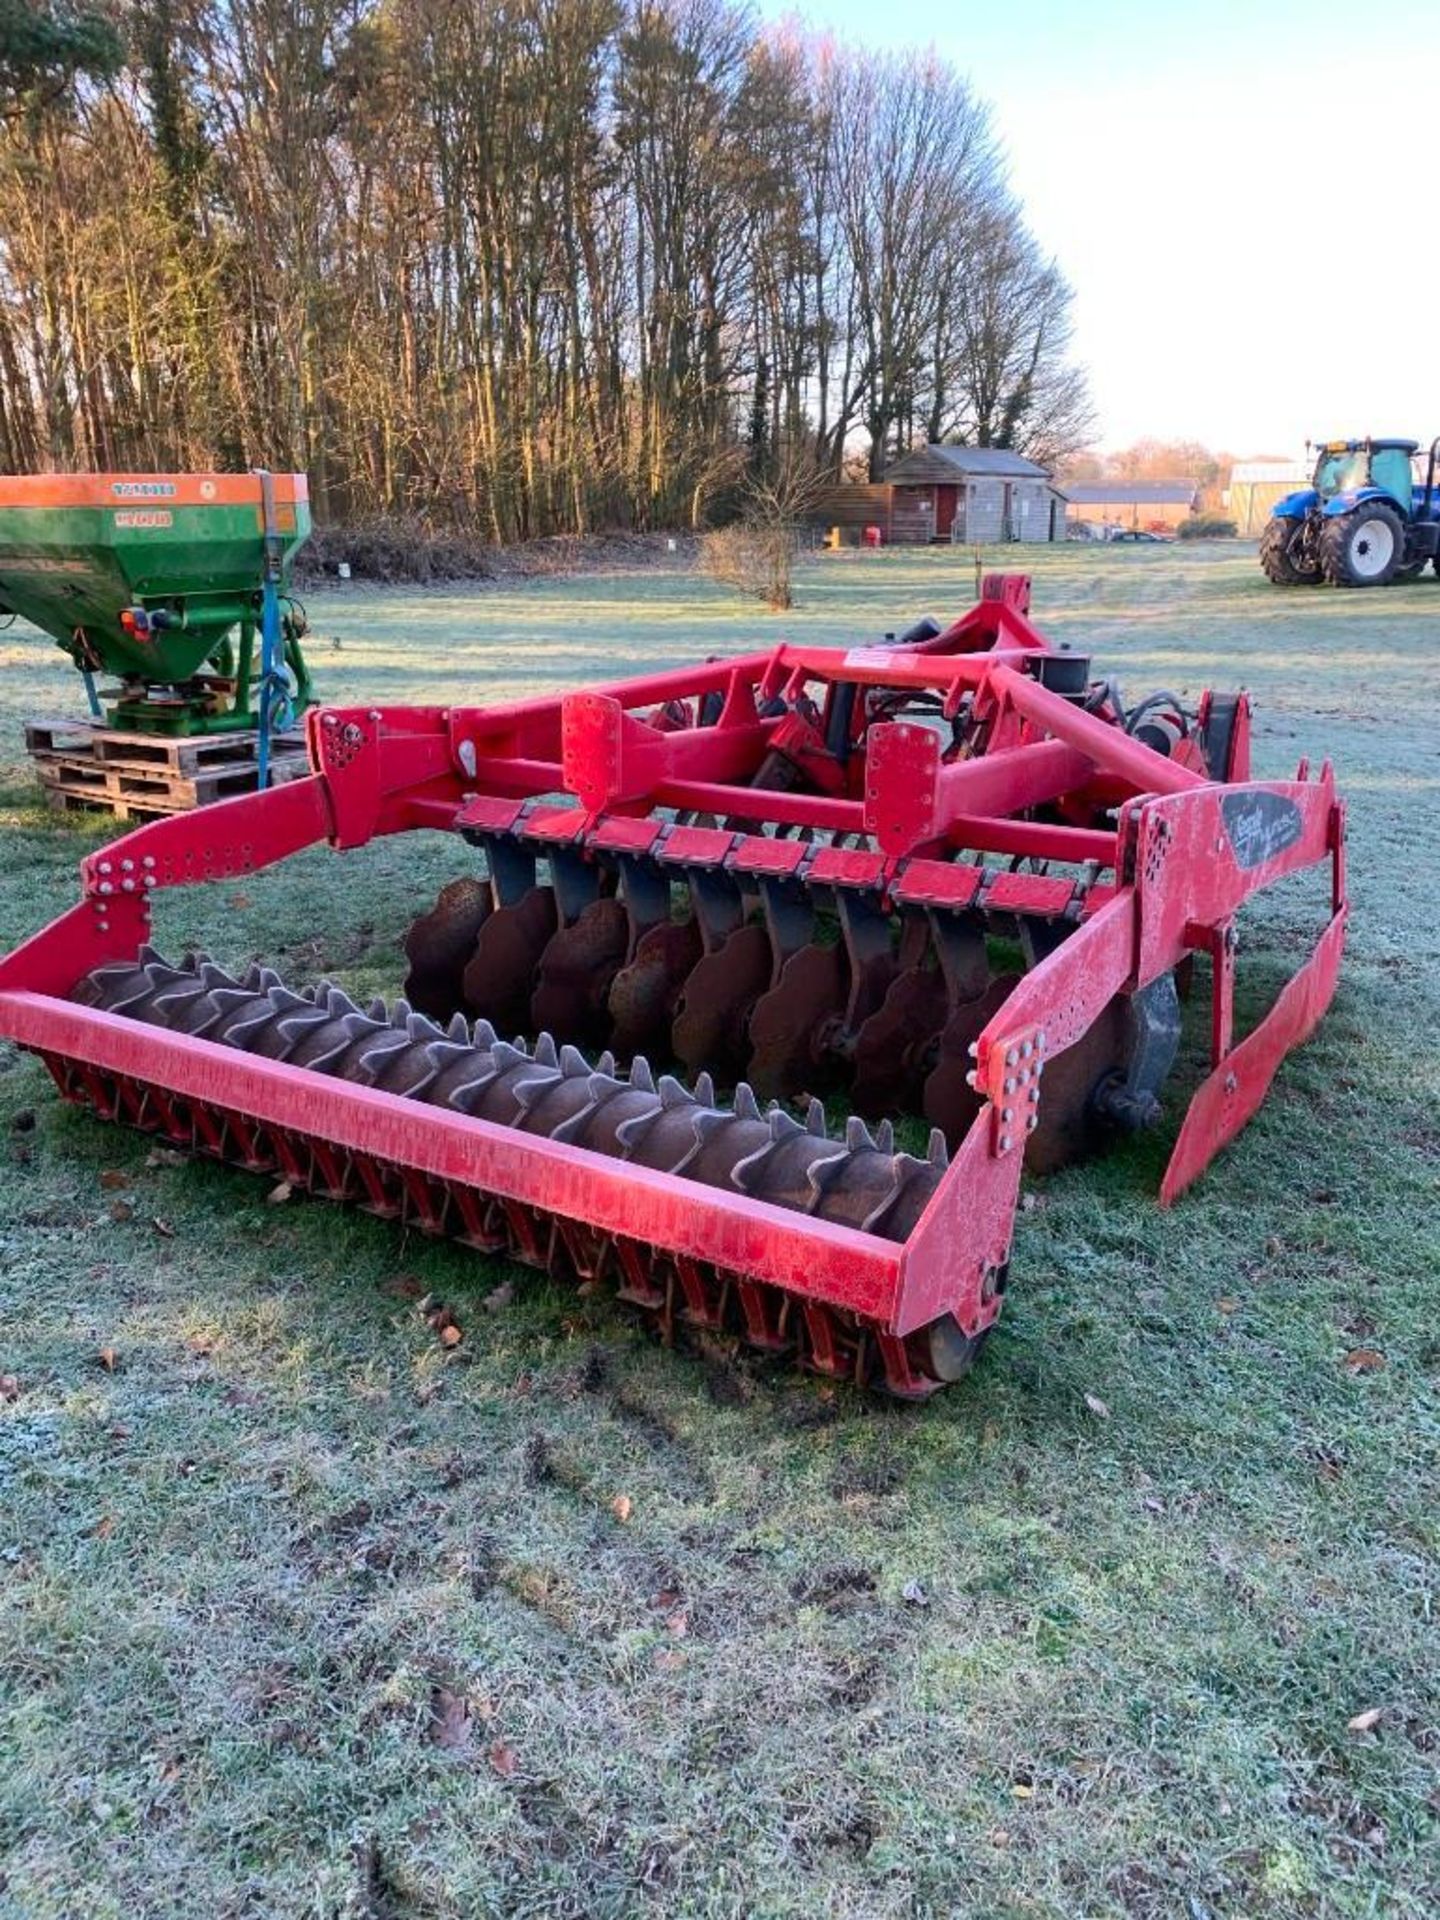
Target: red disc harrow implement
946,879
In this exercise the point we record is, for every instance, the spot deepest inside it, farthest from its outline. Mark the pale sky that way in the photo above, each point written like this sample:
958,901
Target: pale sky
1238,193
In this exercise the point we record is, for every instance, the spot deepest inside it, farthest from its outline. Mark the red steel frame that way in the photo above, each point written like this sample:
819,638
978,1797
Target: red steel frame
1185,855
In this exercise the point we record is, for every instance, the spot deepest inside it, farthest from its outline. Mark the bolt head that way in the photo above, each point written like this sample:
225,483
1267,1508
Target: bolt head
1007,1114
1011,1057
1005,1143
1032,1123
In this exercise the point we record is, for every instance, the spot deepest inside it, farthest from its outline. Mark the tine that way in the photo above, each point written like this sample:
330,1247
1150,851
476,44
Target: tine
857,1134
505,1056
572,1061
606,1063
458,1030
815,1118
378,1010
747,1107
400,1013
484,1035
782,1126
672,1094
546,1051
640,1074
885,1137
938,1154
705,1090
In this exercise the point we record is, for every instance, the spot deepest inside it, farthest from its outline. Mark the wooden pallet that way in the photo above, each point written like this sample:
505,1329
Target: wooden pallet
182,754
146,776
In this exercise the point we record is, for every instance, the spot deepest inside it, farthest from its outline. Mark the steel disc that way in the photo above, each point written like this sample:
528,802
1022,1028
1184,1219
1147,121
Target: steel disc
1068,1126
439,945
893,1047
950,1102
790,1022
501,975
644,993
713,1012
575,972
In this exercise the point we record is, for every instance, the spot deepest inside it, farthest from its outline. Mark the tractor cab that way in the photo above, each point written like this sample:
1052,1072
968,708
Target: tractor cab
1352,466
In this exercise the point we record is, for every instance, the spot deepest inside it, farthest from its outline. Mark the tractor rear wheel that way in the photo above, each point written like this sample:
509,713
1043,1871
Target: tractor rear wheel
1280,554
1363,548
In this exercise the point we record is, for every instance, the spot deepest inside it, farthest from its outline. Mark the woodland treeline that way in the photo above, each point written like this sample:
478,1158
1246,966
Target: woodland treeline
523,265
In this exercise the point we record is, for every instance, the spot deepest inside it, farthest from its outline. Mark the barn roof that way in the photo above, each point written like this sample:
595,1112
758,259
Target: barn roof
1159,493
928,464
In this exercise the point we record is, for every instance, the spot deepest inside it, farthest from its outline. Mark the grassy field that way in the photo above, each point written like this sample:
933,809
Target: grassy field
303,1615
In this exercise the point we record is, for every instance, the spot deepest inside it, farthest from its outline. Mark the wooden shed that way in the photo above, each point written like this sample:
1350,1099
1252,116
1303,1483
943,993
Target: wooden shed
980,496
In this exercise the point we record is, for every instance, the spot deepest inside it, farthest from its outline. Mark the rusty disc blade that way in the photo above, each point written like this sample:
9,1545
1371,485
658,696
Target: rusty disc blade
895,1048
501,975
790,1024
575,972
712,1015
950,1102
644,993
439,945
1067,1127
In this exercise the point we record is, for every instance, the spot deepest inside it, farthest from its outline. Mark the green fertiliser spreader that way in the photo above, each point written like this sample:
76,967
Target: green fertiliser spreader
173,583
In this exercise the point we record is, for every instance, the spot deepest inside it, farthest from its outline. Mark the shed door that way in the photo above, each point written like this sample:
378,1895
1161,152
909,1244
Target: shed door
945,498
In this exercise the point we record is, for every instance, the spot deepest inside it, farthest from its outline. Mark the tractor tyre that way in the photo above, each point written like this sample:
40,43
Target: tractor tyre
1277,562
1363,548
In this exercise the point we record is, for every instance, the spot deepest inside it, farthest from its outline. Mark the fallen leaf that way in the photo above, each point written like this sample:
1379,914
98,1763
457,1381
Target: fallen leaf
1365,1722
1364,1360
112,1179
503,1759
1227,1303
165,1157
121,1210
914,1595
1022,1791
670,1660
108,1359
665,1599
162,1227
450,1720
622,1506
104,1527
23,1121
201,1343
1097,1406
451,1336
403,1287
498,1300
9,1386
240,900
678,1623
279,1194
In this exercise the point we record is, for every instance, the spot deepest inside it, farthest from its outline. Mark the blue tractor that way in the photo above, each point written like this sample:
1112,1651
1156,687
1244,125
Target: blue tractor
1362,521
